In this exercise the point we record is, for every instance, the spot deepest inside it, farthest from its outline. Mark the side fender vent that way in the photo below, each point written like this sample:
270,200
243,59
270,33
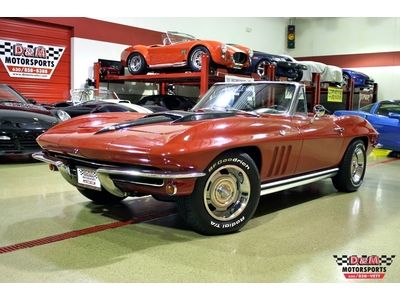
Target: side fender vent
280,158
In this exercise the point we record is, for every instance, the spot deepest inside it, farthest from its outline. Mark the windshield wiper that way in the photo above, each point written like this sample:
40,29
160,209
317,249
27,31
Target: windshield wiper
229,109
252,113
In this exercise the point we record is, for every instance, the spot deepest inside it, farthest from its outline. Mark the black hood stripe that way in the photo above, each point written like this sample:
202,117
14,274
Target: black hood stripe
170,116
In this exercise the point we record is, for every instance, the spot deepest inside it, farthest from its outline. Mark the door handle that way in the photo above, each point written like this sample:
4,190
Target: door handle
339,129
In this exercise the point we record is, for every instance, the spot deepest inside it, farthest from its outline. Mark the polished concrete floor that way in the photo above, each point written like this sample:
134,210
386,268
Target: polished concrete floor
292,237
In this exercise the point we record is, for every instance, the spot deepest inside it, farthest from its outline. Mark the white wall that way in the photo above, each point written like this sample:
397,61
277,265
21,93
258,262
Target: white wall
332,36
264,34
85,52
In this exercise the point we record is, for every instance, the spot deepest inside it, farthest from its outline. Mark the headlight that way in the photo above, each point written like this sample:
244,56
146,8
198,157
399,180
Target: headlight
63,115
224,48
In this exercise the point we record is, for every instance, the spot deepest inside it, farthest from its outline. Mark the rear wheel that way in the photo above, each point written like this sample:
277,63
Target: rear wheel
195,58
226,198
352,168
100,197
136,63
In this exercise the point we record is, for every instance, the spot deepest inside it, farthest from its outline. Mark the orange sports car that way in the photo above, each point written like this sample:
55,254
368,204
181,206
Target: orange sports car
180,50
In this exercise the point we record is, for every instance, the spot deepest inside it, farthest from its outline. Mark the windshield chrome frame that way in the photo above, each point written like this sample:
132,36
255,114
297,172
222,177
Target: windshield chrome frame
292,108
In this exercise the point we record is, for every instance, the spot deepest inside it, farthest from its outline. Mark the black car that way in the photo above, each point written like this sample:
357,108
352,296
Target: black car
87,101
283,66
94,106
157,103
21,122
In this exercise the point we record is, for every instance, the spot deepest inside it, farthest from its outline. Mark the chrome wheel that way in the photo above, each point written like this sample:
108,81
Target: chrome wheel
135,63
196,58
357,165
261,68
227,193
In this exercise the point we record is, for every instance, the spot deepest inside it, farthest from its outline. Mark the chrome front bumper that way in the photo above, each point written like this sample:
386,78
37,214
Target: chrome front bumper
103,173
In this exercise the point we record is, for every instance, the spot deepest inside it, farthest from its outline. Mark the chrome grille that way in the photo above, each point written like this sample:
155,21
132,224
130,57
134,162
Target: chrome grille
239,58
20,141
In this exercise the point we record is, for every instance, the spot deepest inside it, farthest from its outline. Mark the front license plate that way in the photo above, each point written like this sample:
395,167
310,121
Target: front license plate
88,178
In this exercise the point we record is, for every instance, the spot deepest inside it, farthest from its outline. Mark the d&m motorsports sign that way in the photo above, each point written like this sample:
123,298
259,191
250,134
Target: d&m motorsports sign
26,60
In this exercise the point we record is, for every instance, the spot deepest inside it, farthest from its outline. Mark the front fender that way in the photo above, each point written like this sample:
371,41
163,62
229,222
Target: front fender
137,48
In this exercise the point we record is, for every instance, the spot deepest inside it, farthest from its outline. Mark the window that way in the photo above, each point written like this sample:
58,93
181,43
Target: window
302,103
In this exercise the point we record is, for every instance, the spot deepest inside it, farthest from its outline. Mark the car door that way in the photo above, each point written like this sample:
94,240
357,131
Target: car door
322,139
168,54
322,143
388,128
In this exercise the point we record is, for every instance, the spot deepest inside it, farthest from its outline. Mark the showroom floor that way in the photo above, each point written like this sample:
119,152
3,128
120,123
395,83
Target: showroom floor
50,233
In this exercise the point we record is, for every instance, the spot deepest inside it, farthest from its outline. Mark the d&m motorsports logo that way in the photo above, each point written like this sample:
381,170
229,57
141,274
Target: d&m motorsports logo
364,266
26,60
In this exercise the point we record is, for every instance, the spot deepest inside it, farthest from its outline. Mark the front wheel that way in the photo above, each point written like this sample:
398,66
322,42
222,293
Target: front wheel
352,168
136,64
299,76
196,56
100,197
226,198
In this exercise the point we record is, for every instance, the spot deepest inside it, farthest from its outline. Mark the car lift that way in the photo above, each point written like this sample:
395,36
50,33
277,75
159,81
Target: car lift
207,77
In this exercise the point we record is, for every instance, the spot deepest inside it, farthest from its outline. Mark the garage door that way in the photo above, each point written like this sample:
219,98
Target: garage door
35,59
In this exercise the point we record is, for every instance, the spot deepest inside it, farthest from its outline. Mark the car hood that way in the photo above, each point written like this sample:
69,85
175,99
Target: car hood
19,119
132,137
24,107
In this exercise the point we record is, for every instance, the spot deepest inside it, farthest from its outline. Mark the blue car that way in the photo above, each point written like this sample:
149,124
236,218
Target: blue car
361,80
385,117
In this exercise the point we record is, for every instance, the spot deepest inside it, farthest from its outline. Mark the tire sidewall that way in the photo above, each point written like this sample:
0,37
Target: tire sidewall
211,224
258,65
143,66
356,145
195,49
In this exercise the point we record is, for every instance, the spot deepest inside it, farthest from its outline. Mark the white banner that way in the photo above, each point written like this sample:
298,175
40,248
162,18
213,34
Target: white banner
26,60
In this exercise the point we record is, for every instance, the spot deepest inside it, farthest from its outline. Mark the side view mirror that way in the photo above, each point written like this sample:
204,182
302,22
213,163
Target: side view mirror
32,101
394,116
319,111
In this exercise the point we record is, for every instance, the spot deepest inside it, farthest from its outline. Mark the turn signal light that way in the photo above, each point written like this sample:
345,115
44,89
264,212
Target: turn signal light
171,189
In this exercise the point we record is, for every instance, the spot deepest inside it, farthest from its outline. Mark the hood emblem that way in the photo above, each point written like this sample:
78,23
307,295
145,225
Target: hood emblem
36,119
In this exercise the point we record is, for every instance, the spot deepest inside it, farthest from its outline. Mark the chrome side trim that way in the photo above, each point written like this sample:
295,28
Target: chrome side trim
151,174
180,64
285,184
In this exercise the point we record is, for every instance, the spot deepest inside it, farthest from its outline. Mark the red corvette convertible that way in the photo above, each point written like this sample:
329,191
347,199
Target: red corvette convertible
241,140
180,50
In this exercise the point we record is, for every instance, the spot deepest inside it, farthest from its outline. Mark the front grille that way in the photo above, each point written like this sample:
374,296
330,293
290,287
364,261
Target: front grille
20,141
239,58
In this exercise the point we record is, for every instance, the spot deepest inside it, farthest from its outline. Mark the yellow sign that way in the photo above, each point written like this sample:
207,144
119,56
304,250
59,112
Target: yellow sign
335,94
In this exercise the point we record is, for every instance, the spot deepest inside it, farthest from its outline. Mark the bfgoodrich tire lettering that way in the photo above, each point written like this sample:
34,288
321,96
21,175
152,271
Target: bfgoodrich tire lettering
226,198
352,168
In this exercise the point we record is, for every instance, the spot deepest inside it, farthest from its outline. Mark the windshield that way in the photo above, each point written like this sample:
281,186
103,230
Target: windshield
268,97
172,37
82,95
7,94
